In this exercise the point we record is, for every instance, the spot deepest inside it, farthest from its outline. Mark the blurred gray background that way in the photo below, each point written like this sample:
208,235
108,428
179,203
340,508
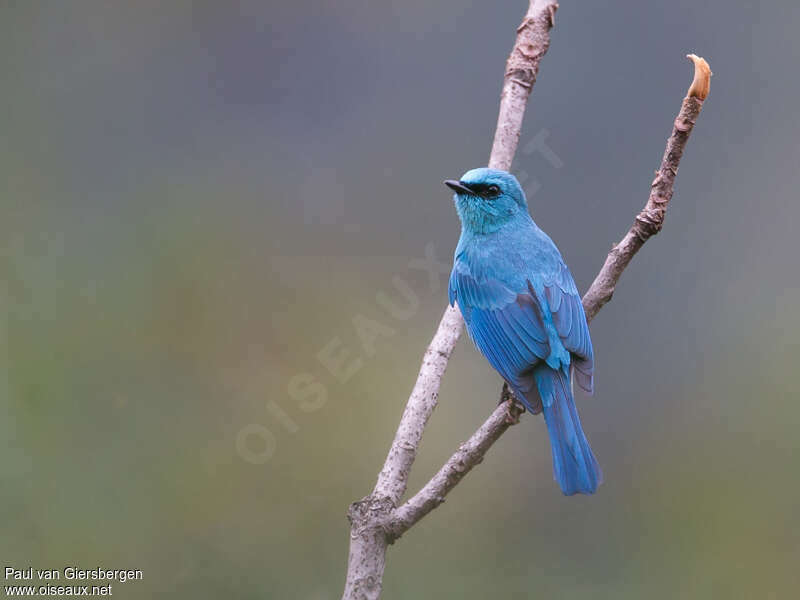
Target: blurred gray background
199,197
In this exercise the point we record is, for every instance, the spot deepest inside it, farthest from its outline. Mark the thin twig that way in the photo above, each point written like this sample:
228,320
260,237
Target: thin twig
651,219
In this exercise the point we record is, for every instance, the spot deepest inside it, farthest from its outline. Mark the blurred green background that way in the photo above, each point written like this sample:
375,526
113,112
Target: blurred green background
199,197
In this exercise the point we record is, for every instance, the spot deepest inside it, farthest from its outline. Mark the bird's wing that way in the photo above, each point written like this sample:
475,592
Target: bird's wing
570,321
506,325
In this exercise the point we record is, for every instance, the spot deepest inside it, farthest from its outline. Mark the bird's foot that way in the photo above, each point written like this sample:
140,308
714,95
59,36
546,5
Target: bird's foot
506,394
513,412
513,407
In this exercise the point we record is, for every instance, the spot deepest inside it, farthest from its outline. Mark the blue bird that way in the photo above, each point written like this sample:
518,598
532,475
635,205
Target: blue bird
523,312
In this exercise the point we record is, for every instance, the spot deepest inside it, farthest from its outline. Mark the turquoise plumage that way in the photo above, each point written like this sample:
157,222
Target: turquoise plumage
524,313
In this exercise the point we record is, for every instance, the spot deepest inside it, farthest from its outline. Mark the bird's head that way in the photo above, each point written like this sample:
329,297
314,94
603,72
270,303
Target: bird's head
486,199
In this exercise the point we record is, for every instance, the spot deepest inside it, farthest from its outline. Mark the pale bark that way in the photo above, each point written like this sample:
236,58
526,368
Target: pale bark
522,67
468,455
370,517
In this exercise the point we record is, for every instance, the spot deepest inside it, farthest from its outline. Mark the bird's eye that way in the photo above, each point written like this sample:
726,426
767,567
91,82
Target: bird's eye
493,190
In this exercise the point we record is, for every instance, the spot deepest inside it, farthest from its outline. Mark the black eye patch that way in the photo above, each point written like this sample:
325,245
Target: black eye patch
486,190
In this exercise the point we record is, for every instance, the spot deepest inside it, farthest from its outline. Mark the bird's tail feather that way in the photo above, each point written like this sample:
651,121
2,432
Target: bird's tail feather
574,465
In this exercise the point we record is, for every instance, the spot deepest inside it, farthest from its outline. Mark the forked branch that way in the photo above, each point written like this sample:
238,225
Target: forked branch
370,517
377,520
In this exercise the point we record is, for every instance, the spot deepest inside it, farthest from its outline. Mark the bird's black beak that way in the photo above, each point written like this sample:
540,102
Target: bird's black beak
458,187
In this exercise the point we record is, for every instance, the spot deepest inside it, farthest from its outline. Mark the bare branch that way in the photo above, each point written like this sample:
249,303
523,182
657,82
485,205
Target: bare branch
376,521
647,224
532,42
468,455
522,67
650,220
393,478
367,545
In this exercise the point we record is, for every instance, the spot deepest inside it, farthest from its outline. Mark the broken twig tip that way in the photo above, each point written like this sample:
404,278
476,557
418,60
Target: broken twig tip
702,77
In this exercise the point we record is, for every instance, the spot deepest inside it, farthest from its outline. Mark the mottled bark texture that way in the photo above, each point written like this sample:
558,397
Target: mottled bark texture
522,67
378,519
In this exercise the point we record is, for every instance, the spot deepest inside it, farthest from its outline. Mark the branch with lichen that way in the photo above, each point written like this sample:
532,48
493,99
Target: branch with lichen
378,519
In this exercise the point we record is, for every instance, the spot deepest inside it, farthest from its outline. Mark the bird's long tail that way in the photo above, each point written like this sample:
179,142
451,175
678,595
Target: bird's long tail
574,466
